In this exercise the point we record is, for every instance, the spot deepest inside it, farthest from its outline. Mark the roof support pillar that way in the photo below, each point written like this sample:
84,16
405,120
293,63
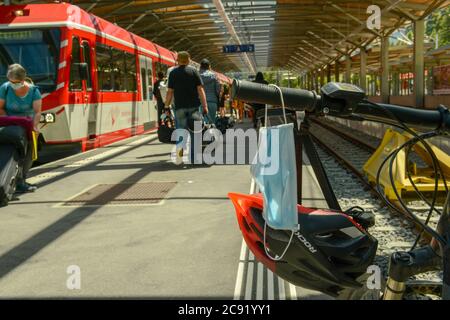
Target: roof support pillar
310,81
394,76
430,81
348,69
322,77
328,73
316,81
385,69
336,72
363,69
419,70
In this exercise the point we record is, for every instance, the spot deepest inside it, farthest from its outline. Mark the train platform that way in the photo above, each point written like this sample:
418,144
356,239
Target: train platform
137,226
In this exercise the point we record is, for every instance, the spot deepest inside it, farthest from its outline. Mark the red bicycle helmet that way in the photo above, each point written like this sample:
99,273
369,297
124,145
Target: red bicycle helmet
328,254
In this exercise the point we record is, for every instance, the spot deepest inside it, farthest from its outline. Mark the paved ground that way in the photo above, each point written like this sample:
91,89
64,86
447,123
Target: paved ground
187,247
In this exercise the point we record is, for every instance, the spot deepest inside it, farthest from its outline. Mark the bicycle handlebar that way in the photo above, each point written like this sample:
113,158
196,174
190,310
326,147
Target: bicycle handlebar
345,102
264,94
421,118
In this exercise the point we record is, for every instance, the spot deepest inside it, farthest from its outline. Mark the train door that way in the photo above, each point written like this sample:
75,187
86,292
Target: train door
89,98
149,113
81,90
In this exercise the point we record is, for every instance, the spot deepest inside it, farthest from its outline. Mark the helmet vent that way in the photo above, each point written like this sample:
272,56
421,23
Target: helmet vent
247,228
255,230
305,275
340,262
360,252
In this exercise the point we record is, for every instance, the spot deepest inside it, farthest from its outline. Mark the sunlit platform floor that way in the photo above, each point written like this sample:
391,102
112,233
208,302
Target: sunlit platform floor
186,246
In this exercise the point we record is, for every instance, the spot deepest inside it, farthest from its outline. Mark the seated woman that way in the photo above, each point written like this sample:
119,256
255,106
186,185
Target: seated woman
20,98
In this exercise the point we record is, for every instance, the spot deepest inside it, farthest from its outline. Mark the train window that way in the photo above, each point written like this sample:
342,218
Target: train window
144,83
130,77
75,80
37,50
87,59
104,68
119,69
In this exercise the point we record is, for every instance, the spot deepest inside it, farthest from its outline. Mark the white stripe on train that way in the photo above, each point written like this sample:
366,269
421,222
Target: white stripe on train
84,28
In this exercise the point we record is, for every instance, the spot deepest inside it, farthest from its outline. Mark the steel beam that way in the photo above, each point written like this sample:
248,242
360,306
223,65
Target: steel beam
222,13
363,69
419,70
385,69
348,69
328,73
336,71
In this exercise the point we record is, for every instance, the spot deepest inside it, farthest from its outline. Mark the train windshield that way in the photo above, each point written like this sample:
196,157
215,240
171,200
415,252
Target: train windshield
36,50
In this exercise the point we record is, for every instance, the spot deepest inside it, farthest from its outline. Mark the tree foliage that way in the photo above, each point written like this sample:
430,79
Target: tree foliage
438,26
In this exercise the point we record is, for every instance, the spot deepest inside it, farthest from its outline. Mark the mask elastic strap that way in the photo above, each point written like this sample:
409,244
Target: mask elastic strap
266,115
285,250
282,102
265,223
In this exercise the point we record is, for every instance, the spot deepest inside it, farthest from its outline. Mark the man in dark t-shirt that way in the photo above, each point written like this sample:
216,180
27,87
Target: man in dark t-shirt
185,84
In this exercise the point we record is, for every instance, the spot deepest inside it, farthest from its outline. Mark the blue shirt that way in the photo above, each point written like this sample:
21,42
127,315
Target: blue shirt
19,106
211,86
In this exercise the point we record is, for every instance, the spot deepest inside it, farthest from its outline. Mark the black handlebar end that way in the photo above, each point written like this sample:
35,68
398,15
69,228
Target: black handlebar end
445,115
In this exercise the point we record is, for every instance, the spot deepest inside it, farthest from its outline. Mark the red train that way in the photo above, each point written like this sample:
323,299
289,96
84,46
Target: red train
95,76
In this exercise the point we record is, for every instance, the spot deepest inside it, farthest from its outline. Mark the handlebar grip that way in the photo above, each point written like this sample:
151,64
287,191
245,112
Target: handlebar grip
252,92
419,118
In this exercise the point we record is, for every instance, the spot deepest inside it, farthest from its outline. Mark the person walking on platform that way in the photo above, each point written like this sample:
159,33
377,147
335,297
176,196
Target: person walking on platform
212,89
186,86
257,106
224,99
157,93
20,98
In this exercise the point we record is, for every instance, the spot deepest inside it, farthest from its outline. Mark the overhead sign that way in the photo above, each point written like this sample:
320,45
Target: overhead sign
239,48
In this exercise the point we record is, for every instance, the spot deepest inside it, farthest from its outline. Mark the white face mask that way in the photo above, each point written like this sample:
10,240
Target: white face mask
17,86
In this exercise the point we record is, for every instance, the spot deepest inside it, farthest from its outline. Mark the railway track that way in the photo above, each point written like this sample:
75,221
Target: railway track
343,157
354,152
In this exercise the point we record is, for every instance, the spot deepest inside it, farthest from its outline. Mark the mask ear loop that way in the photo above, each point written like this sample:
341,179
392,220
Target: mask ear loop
265,223
282,102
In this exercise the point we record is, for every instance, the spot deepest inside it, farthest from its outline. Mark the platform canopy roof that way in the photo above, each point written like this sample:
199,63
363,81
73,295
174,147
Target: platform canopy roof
294,34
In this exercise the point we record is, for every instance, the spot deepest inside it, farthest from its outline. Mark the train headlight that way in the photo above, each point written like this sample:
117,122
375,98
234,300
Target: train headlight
48,118
19,13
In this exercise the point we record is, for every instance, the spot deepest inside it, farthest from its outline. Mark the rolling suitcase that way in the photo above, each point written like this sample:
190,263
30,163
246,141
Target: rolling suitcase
9,170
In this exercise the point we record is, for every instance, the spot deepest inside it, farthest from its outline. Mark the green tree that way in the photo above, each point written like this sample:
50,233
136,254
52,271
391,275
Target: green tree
438,26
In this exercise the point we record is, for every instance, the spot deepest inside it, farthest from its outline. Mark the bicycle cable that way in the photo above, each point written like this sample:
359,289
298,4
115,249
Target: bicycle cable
437,169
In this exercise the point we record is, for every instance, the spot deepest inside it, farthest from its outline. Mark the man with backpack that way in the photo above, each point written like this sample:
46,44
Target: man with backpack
212,89
186,86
